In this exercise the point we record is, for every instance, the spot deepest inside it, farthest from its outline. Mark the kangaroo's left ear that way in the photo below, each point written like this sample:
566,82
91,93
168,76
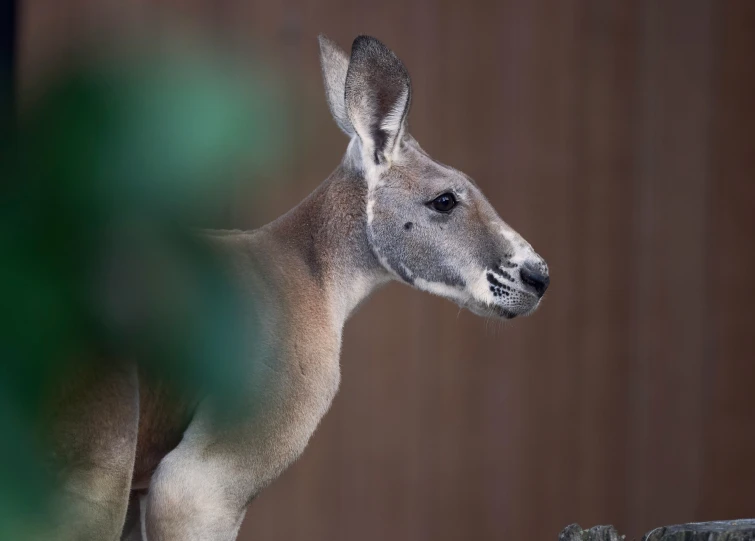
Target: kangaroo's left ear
378,94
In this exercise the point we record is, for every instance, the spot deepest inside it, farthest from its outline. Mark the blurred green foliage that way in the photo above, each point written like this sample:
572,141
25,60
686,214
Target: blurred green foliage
104,175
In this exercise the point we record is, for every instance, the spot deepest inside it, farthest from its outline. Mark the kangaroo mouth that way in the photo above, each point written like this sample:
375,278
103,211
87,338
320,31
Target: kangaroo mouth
525,307
492,310
499,296
504,312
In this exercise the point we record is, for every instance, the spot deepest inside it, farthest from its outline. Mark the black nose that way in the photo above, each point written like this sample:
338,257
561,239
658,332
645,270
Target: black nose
535,278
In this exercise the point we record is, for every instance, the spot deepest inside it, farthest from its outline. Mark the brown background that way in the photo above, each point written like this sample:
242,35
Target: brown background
618,138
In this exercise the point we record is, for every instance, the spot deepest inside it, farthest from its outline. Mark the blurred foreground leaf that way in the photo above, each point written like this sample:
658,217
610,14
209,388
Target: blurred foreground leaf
102,179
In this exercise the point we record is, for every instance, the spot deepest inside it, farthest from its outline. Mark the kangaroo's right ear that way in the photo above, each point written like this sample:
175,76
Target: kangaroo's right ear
335,65
378,95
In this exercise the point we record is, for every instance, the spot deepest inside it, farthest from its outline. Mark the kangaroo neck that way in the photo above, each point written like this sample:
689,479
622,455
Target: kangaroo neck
328,233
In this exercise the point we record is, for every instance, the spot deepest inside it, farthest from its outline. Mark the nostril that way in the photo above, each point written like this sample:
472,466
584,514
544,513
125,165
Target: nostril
534,278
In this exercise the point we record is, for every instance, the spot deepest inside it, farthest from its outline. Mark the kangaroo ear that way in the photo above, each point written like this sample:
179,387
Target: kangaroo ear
378,94
335,64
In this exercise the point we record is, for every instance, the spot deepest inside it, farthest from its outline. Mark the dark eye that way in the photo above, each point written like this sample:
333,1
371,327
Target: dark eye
444,203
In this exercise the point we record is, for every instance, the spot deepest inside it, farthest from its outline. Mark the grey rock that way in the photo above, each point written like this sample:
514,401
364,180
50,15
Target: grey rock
729,530
597,533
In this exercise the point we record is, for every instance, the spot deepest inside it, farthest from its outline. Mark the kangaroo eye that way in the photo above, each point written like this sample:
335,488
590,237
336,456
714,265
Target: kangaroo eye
444,203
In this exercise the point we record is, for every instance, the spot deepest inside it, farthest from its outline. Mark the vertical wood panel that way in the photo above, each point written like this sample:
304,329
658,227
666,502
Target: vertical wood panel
729,398
611,31
670,253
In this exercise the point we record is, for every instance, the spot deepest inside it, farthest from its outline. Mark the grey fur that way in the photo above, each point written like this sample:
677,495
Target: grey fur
306,272
377,86
431,250
334,63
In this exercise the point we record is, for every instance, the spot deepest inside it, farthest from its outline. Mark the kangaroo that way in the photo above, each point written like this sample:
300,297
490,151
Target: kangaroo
387,212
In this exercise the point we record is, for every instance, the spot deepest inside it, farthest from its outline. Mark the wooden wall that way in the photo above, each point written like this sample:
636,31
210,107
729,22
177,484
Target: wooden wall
619,138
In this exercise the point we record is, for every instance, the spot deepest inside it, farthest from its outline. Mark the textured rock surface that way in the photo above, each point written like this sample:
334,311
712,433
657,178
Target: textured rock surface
732,530
597,533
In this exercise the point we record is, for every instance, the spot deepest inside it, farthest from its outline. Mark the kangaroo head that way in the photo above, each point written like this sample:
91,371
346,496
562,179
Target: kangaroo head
428,224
